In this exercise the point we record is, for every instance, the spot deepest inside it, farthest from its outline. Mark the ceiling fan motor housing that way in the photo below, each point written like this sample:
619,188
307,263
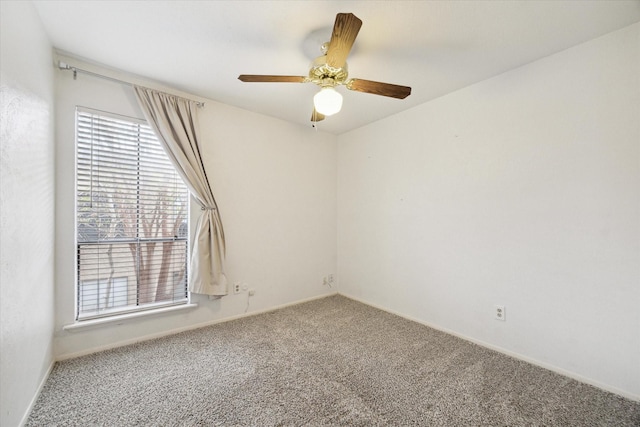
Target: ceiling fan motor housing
325,75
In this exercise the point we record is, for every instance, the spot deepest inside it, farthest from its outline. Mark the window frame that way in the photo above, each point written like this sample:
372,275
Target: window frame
185,236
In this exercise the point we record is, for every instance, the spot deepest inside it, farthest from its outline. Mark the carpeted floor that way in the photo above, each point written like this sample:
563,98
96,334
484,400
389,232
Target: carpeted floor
330,362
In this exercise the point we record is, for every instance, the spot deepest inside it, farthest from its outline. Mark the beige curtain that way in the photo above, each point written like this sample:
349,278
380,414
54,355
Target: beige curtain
173,120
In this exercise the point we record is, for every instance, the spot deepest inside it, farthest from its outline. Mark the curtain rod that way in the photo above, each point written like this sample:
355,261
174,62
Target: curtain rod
65,66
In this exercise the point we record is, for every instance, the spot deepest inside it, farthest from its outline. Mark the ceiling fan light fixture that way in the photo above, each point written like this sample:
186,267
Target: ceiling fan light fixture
328,101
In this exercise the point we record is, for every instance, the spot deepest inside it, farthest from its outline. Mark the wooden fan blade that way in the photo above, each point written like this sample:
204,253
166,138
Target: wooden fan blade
271,79
345,31
315,116
377,88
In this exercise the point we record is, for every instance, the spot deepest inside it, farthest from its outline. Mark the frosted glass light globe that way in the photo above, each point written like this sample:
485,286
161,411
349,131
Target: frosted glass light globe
327,101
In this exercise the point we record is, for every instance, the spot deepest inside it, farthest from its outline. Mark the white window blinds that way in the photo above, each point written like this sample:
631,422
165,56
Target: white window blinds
132,219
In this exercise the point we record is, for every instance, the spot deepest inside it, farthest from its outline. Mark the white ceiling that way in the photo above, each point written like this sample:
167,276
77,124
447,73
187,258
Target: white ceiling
435,47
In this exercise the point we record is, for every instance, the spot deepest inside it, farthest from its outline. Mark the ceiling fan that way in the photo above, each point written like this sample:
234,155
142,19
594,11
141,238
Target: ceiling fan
330,70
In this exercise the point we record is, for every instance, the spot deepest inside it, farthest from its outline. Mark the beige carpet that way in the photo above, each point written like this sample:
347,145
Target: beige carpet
330,362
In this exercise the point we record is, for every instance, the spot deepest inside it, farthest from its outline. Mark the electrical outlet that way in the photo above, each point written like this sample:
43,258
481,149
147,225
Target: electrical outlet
252,292
236,288
500,314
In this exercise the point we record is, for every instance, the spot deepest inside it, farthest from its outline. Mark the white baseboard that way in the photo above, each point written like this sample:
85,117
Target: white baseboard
44,379
556,369
168,332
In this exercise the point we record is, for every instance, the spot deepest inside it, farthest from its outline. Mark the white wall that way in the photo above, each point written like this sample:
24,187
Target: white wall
522,190
275,184
26,208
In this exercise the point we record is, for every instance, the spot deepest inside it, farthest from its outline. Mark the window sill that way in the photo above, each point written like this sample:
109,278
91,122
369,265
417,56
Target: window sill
85,324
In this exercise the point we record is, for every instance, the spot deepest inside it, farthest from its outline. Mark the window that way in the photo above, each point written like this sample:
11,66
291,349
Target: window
131,219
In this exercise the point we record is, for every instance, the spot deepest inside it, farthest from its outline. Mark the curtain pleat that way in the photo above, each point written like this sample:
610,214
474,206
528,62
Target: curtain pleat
175,124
